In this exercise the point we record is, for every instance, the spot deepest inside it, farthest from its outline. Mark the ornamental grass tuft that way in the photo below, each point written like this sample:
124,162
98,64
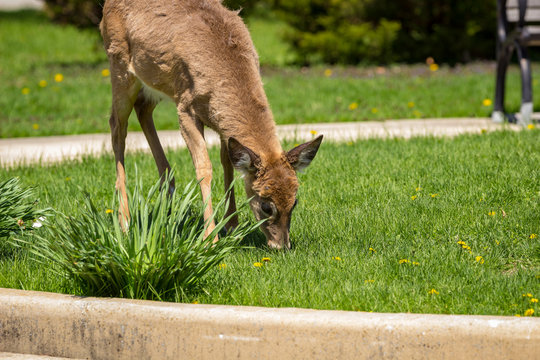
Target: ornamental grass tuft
17,209
162,254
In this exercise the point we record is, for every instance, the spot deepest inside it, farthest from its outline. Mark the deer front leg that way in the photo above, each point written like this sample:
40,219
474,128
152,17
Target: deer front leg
228,173
193,134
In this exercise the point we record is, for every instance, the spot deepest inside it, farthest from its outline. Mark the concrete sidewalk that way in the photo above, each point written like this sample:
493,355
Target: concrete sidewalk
14,5
58,148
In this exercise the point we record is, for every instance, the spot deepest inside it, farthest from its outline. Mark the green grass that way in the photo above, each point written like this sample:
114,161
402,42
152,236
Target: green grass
34,50
355,197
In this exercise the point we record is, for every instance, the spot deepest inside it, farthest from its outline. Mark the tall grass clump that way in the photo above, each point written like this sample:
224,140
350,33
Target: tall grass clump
17,209
161,254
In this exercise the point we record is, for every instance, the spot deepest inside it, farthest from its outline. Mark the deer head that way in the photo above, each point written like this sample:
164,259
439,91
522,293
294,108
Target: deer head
271,183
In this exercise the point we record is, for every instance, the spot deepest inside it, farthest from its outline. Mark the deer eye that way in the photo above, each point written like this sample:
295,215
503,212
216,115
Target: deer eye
266,208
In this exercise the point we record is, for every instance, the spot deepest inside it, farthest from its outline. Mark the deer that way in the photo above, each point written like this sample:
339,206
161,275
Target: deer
200,55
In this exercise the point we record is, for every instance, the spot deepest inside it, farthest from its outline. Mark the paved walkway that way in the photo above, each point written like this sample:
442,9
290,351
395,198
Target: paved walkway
13,5
57,148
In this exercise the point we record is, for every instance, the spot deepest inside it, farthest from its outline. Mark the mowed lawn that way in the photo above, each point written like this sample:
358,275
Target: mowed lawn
54,80
425,225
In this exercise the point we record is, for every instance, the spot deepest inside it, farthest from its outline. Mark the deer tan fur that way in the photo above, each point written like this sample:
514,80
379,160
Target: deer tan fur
200,55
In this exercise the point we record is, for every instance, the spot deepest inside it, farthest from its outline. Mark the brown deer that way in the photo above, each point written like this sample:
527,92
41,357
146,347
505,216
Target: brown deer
200,55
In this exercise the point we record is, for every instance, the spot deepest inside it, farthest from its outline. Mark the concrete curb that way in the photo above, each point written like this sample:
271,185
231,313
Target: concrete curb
77,327
53,149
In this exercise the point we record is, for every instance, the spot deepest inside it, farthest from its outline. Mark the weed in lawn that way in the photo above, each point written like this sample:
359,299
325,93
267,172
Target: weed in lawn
163,254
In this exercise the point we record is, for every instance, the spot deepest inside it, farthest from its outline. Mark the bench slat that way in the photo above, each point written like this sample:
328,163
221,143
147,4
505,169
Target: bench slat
530,4
531,15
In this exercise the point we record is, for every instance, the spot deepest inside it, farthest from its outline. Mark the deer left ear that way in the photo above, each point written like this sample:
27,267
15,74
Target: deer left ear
300,157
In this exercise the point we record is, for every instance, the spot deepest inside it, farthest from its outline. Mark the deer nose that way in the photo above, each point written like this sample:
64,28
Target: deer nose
281,242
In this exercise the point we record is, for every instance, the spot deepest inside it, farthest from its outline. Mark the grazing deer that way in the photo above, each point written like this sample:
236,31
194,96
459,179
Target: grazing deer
200,55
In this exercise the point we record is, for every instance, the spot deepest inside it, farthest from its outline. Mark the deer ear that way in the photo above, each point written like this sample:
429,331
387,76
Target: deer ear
300,157
242,158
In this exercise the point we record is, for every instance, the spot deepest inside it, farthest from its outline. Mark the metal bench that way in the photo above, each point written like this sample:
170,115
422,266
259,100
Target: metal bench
518,27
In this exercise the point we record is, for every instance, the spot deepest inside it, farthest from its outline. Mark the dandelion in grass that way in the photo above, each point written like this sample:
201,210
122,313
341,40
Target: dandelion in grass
434,195
530,126
105,72
372,250
492,213
417,113
533,236
35,126
461,242
258,264
222,266
479,259
25,91
486,102
413,197
58,78
336,258
313,132
527,295
328,72
68,178
433,67
353,106
374,110
195,302
369,281
415,263
529,312
483,131
534,300
418,188
433,292
517,315
410,104
108,211
265,259
349,143
42,83
403,261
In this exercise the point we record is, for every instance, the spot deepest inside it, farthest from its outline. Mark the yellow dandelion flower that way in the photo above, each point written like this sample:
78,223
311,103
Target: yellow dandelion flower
403,261
487,102
328,72
534,300
68,178
108,211
42,83
413,197
349,143
105,72
258,264
418,188
337,258
313,132
369,281
517,315
222,266
527,295
466,247
35,126
415,263
460,242
353,106
265,259
195,302
434,195
492,213
483,131
530,126
533,236
433,67
58,78
417,113
433,292
529,312
25,91
374,110
479,259
497,242
372,250
410,104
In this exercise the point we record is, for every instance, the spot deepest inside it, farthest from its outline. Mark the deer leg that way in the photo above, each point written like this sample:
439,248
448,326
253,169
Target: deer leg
144,109
228,173
124,88
193,134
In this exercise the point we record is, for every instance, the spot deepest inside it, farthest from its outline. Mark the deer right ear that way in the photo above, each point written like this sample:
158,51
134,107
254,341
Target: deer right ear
242,158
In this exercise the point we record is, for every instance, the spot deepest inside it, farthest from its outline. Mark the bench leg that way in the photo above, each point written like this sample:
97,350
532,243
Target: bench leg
526,86
503,59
